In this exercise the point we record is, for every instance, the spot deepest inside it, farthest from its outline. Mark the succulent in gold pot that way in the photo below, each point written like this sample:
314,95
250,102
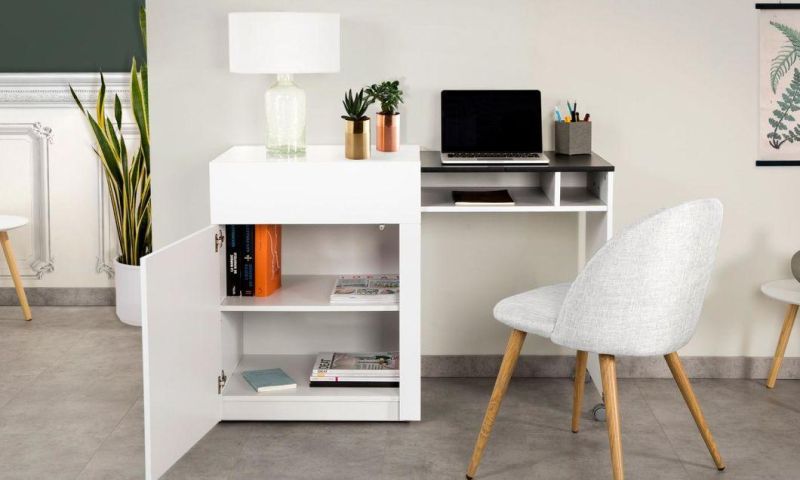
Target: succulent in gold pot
356,128
387,127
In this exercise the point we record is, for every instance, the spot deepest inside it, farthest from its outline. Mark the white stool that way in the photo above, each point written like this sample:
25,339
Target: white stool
787,291
10,222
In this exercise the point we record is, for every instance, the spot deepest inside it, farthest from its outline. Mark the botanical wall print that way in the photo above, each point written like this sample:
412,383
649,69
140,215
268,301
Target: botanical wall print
779,84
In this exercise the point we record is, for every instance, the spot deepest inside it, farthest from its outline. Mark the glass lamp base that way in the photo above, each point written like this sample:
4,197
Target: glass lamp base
285,104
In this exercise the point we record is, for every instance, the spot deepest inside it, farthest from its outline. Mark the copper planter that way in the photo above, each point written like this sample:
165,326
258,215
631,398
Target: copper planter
356,139
387,131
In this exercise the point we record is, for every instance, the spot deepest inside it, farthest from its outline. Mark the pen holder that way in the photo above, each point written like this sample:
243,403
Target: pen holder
574,138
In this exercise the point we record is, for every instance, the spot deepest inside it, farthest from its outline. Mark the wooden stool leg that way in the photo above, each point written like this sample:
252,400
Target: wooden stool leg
786,330
685,387
577,395
12,266
608,371
510,358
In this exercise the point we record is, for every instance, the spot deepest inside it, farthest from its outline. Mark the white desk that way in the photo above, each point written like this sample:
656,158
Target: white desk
581,184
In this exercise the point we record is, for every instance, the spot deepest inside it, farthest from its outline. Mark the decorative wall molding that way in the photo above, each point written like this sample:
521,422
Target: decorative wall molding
51,90
40,138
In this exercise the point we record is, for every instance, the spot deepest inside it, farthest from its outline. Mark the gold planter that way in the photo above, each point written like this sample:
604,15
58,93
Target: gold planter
356,139
387,132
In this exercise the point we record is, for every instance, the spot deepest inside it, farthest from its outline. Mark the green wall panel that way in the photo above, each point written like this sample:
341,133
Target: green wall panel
69,35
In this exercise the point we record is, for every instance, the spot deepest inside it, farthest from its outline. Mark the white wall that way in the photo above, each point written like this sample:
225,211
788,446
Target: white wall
66,190
671,86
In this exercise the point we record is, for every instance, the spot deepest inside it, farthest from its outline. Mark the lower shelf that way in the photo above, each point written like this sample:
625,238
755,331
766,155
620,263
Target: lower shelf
241,402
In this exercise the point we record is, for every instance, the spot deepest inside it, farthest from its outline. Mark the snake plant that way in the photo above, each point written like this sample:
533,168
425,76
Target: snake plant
127,172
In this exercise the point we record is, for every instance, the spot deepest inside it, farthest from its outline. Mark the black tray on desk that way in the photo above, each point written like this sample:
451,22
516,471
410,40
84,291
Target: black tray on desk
432,162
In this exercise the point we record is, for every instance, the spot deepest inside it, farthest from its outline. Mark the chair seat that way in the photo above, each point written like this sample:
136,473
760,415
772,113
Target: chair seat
9,222
534,311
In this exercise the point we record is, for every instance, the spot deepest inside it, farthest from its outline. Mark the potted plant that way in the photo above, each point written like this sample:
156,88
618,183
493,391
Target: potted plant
127,174
356,129
387,128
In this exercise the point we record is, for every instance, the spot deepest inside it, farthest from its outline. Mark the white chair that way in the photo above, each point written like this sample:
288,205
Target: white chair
640,295
10,222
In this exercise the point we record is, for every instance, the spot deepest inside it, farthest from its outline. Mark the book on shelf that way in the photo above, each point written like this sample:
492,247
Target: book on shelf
253,260
363,365
269,380
366,289
267,259
248,257
234,260
483,197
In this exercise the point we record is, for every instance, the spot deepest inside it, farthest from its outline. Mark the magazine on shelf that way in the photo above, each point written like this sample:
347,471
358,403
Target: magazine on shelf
358,383
374,364
366,289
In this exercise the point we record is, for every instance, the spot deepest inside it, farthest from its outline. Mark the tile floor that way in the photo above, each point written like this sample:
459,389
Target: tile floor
70,407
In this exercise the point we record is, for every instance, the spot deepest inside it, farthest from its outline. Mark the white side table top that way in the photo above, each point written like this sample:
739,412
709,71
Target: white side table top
10,222
784,290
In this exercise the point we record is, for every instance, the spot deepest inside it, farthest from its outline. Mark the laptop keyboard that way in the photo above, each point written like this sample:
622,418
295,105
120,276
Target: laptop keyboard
493,155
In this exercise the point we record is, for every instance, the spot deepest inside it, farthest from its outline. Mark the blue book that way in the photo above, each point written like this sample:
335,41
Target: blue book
269,380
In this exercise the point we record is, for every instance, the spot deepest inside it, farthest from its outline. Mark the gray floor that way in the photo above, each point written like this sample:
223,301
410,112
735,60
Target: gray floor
70,407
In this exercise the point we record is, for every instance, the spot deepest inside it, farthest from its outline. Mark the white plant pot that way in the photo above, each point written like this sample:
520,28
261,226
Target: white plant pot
129,298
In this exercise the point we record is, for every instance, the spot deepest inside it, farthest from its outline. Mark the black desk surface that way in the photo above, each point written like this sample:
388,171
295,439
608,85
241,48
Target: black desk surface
432,162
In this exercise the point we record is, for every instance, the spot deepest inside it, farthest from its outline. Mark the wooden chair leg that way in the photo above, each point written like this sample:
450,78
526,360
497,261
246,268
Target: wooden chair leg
685,387
12,267
577,395
783,339
608,372
510,358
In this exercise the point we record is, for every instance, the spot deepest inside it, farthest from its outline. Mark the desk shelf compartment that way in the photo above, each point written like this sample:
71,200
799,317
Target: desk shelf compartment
586,191
531,191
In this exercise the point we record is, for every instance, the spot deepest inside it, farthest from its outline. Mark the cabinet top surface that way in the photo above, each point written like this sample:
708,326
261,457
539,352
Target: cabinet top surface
314,154
431,162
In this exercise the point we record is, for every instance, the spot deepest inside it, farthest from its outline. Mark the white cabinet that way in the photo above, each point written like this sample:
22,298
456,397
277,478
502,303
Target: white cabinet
339,217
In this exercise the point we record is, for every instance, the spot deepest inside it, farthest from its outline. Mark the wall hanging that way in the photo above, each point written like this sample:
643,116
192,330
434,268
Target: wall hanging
779,84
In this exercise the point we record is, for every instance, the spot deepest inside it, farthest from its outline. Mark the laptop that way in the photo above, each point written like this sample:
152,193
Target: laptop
488,127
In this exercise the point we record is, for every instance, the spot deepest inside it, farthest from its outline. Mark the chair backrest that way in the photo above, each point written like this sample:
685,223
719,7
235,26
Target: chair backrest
642,292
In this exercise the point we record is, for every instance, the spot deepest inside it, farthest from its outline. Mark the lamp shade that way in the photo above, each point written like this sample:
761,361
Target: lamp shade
283,42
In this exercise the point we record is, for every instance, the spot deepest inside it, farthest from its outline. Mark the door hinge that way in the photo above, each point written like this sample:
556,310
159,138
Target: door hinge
222,379
219,239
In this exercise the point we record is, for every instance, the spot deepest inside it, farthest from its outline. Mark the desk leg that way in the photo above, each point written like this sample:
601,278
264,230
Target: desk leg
595,228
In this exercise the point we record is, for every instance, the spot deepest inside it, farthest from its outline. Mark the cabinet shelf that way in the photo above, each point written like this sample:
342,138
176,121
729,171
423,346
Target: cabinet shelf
241,402
300,293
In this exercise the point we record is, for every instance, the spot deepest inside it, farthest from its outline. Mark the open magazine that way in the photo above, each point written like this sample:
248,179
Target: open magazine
366,289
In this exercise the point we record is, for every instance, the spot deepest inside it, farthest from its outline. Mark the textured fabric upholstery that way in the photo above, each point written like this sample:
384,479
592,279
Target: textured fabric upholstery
642,292
534,311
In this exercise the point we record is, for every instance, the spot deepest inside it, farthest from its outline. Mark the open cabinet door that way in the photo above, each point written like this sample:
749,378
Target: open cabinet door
180,346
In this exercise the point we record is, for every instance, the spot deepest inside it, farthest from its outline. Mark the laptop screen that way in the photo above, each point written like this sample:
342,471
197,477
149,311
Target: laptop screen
482,121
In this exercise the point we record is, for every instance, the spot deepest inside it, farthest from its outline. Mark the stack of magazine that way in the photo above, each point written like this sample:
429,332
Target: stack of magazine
366,289
377,369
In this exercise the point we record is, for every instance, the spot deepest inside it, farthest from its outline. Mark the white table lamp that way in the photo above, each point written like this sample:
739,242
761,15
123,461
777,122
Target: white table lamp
284,43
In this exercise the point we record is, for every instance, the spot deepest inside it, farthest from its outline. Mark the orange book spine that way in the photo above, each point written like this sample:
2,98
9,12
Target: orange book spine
268,259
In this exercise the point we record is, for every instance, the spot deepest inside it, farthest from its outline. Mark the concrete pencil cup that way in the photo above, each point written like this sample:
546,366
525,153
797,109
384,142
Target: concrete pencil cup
574,138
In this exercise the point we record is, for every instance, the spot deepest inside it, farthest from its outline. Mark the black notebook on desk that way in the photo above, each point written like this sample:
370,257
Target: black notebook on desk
482,197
